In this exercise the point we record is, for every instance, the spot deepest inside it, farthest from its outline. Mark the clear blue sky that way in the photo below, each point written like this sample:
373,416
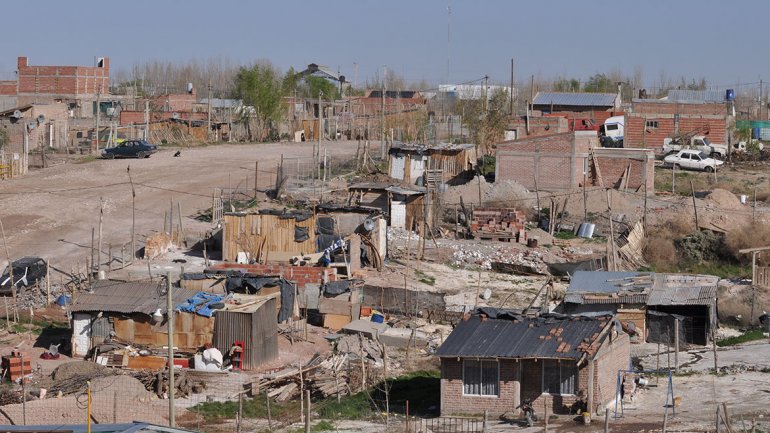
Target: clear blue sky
723,41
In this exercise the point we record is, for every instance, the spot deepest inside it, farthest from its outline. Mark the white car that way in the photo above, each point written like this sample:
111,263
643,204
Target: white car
693,160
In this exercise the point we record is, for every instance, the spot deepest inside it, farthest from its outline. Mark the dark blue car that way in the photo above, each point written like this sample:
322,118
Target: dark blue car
130,149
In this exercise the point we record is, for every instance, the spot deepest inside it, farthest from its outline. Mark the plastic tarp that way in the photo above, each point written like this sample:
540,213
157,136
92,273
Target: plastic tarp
325,226
202,304
301,234
337,287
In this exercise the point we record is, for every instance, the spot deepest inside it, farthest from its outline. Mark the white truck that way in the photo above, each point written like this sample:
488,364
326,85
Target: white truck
611,132
694,140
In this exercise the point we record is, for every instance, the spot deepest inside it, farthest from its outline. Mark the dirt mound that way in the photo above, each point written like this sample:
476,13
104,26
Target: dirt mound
77,368
506,192
724,199
130,387
596,202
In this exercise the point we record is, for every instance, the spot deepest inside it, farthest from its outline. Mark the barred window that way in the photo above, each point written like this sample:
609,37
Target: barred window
480,377
559,377
651,124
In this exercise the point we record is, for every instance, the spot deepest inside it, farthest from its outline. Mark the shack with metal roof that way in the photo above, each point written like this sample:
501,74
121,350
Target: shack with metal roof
431,164
550,102
495,359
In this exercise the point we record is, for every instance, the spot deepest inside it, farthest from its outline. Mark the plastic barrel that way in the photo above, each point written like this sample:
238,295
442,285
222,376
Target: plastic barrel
581,232
378,318
730,95
589,233
755,133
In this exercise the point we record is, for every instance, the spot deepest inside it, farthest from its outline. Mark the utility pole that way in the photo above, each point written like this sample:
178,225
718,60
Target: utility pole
170,328
317,153
99,253
512,112
486,93
98,109
133,215
208,133
382,114
147,119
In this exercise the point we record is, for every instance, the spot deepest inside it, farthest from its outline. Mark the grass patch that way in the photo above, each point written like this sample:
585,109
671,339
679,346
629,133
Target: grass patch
564,235
425,278
356,406
752,335
33,326
720,269
213,411
323,425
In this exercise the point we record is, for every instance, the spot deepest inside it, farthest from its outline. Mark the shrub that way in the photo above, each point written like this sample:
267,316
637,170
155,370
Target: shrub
660,252
748,236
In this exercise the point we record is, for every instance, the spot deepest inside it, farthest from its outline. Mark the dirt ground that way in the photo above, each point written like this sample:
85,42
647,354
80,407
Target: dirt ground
51,212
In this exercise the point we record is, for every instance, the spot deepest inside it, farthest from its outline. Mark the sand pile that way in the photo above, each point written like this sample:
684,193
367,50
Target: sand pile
504,193
723,199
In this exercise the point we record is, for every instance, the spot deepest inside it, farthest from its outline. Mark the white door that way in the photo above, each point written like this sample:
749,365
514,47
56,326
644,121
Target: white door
510,134
417,167
398,214
397,166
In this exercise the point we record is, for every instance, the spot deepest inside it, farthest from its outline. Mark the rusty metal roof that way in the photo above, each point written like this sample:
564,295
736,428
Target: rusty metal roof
598,287
547,336
127,297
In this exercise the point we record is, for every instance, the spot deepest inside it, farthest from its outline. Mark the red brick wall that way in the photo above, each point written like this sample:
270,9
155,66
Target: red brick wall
62,80
559,159
538,126
610,359
174,102
300,275
8,88
691,116
613,163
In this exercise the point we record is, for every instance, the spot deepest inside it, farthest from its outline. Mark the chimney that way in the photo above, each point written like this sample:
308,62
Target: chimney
21,62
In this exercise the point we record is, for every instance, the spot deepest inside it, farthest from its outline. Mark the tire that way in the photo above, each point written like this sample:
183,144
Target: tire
110,156
140,155
677,167
709,169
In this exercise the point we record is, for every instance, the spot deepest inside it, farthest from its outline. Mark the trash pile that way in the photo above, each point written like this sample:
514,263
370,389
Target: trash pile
35,297
323,377
485,255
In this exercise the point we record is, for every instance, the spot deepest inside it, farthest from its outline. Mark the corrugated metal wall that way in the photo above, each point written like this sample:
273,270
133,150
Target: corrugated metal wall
247,232
258,331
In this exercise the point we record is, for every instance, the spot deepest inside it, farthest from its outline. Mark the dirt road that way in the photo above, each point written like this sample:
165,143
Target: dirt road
51,212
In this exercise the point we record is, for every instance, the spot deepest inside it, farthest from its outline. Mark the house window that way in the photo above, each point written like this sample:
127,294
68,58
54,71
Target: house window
651,124
480,377
559,377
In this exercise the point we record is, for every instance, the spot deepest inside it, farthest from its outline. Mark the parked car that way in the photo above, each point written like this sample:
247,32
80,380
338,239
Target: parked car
130,149
27,271
693,160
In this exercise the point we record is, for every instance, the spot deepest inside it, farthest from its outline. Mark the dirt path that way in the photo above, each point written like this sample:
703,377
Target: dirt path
51,212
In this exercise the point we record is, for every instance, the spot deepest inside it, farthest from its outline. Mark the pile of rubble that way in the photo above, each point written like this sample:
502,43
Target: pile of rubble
36,297
485,255
323,377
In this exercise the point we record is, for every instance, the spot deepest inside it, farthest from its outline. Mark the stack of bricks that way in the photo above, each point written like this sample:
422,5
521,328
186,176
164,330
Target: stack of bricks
13,365
498,223
299,275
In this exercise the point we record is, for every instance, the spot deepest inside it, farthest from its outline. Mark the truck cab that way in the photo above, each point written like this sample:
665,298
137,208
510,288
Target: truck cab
612,131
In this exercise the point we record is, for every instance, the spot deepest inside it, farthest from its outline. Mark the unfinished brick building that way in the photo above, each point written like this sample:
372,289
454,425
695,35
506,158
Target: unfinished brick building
565,161
76,86
492,364
649,122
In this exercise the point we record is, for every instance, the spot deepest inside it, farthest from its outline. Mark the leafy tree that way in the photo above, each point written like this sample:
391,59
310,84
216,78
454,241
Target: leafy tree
599,83
486,127
566,85
316,85
261,87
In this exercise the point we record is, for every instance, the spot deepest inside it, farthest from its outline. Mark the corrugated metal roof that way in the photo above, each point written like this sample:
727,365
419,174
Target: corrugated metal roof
127,297
582,298
609,282
549,336
575,99
679,289
696,95
425,148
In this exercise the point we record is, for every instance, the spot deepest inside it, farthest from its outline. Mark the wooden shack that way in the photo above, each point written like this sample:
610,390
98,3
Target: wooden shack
261,234
430,165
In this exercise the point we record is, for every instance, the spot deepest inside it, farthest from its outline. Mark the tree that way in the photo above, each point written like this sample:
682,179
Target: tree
260,86
317,85
566,85
486,126
600,83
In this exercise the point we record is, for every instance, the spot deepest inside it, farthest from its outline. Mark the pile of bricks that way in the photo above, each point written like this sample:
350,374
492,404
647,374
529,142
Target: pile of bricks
12,365
498,223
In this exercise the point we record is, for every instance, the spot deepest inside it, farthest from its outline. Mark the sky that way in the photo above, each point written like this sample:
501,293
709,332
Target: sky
433,40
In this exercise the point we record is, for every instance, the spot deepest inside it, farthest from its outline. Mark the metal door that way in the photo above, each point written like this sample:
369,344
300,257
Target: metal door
397,214
397,166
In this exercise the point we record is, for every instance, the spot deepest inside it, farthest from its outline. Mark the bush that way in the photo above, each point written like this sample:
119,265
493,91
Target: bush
748,236
660,252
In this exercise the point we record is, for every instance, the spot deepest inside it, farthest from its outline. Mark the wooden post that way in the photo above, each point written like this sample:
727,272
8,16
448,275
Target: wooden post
657,365
180,229
114,407
101,225
133,215
10,273
109,260
269,415
676,345
256,178
484,422
240,413
90,269
307,412
301,393
612,233
545,414
48,282
694,208
606,420
363,362
665,420
591,375
714,347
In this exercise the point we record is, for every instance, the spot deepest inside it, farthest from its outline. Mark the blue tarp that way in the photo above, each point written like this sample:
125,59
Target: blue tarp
201,304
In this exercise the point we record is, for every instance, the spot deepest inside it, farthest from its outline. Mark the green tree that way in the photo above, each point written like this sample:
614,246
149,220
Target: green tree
260,86
566,85
316,85
600,83
486,126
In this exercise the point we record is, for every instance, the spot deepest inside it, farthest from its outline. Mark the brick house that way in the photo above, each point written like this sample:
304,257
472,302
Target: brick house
649,122
76,86
492,364
564,161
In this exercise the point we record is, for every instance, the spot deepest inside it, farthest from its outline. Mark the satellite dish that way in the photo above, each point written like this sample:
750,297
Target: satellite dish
175,115
368,224
17,114
31,126
40,119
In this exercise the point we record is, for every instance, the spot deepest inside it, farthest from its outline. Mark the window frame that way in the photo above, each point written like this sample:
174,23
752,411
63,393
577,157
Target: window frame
481,377
653,124
562,365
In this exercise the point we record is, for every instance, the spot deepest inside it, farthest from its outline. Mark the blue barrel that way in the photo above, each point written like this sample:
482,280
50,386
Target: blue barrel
63,300
755,133
378,318
730,95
